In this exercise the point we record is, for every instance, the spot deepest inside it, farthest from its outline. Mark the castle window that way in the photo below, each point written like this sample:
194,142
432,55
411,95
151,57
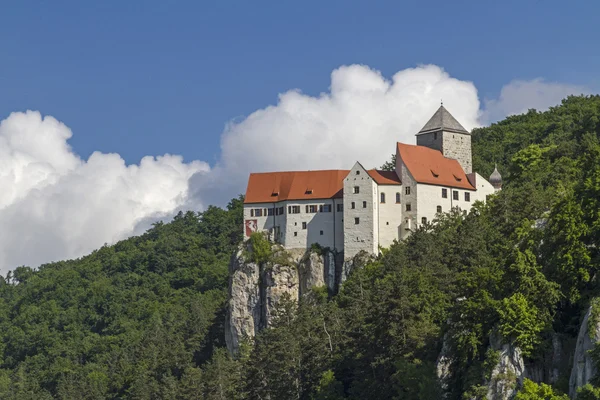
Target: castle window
407,190
356,189
304,225
340,207
293,209
356,221
252,212
321,233
444,193
357,172
435,136
311,208
364,204
353,206
439,209
455,195
295,233
325,208
467,196
424,220
397,197
258,212
387,223
408,208
270,212
382,197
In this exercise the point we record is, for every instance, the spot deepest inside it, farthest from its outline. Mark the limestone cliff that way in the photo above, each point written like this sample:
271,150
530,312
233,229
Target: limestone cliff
508,373
256,288
244,305
584,367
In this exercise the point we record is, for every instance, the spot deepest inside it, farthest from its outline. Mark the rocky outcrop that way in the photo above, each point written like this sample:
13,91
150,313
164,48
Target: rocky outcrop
312,270
443,365
277,281
244,309
358,261
508,373
255,289
584,367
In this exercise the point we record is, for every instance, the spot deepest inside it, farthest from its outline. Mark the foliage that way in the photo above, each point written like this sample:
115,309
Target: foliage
588,392
260,245
132,320
534,391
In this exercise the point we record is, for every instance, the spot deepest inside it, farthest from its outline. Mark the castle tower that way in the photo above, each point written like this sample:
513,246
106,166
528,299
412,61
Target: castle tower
444,133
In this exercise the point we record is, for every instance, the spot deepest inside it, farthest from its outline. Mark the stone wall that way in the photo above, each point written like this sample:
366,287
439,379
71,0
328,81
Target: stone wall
458,147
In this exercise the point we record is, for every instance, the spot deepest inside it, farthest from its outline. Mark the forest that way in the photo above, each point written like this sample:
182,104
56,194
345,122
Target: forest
143,318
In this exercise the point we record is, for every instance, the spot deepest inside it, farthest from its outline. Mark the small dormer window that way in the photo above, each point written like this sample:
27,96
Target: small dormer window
457,178
274,194
435,175
308,191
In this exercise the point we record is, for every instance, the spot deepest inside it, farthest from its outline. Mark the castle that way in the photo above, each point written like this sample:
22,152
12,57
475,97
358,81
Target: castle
362,210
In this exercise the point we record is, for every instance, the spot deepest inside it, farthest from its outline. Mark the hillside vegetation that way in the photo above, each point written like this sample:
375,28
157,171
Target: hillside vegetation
143,319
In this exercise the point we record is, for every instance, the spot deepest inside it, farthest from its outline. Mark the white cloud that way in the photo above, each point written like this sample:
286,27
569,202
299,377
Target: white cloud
519,96
360,118
54,205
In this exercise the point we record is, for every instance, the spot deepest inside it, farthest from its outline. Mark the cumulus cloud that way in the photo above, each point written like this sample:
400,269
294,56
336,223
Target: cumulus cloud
54,205
361,117
519,96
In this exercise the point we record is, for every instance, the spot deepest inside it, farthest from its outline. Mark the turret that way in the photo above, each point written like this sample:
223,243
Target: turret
496,179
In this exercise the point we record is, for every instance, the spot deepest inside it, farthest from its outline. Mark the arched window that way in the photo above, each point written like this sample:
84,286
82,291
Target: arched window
397,197
383,197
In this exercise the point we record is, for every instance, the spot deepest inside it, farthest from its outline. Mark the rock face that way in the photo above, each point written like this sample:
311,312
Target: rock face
255,290
584,368
244,306
312,270
508,374
442,366
277,281
359,260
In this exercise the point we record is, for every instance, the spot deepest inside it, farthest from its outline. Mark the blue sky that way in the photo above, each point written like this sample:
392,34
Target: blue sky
155,77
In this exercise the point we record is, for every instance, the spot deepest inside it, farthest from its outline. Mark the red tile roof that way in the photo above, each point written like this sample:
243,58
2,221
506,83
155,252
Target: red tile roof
271,187
430,166
384,177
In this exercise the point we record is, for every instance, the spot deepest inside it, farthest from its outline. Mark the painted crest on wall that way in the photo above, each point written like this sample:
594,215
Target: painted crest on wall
251,226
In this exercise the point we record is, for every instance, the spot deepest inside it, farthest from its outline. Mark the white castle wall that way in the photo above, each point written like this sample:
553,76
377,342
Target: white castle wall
389,214
430,196
364,235
409,217
293,234
484,188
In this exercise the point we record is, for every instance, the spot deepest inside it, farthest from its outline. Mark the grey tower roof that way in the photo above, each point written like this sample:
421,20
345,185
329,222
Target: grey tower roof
443,120
495,178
